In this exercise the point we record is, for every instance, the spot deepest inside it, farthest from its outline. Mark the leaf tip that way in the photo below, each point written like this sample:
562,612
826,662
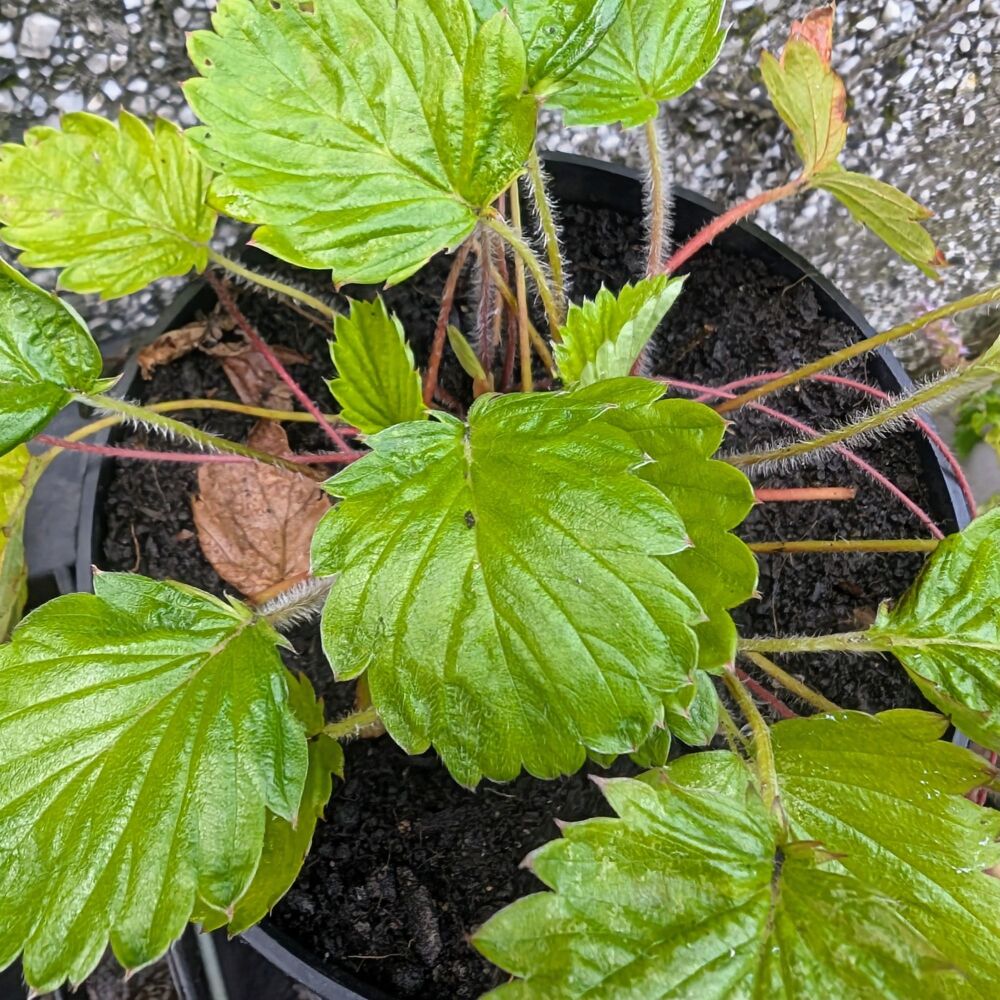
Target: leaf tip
816,29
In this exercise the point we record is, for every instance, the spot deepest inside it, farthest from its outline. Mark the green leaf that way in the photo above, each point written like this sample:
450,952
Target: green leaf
655,50
145,734
286,845
946,629
604,337
694,891
46,353
699,722
978,420
394,122
377,383
467,357
891,215
557,34
117,207
17,478
501,584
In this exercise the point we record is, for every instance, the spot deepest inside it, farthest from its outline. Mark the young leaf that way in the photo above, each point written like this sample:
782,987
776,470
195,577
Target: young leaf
655,50
467,357
557,35
602,338
377,383
387,182
15,491
145,734
946,629
694,891
46,353
117,207
500,584
891,215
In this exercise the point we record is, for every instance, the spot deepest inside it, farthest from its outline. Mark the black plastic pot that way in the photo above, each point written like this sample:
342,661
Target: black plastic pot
576,180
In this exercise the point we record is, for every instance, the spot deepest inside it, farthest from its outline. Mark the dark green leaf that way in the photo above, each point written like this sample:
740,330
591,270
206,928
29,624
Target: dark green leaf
375,131
145,735
655,50
46,353
116,207
377,384
16,484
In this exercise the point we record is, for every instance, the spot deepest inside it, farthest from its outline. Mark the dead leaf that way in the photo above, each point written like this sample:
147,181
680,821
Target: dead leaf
255,523
253,378
816,28
170,347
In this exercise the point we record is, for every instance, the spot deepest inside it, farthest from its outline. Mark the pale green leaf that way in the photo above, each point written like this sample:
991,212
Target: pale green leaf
377,384
145,735
655,50
467,357
699,722
946,629
117,207
695,891
375,131
602,338
16,484
501,583
891,215
46,353
557,34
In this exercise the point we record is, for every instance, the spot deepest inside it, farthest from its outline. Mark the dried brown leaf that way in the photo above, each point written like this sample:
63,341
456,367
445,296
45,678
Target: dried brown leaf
255,523
253,378
171,346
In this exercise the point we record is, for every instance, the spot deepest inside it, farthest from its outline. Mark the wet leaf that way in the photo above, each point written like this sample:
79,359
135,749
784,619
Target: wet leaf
16,483
255,523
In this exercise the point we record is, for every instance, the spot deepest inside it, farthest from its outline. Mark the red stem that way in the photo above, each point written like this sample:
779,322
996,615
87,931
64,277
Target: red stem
805,494
441,330
229,303
762,692
722,222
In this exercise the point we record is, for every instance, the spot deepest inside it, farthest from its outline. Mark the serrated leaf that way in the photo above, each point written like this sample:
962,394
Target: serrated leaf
655,51
145,734
501,586
46,353
16,483
286,845
699,723
377,383
946,629
891,215
557,34
603,337
695,891
395,123
117,207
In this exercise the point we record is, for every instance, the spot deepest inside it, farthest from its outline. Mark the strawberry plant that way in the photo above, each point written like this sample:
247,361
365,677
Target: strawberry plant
545,578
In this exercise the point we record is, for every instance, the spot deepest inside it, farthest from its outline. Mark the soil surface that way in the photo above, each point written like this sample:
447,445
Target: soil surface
409,863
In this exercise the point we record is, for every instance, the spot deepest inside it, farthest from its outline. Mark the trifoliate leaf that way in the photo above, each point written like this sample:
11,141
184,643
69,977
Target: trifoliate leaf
46,353
117,207
946,629
695,891
887,797
286,845
16,484
602,338
655,50
501,584
891,215
377,383
145,734
557,35
375,131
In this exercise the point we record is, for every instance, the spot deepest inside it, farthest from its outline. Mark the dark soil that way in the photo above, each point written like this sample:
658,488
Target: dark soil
409,863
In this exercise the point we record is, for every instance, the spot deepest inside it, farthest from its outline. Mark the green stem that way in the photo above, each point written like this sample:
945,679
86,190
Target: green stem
849,545
987,297
289,291
524,253
550,230
866,425
839,642
354,725
657,208
144,415
790,683
527,379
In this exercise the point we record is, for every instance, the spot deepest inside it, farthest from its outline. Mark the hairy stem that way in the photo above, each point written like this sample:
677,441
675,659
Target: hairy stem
289,291
839,642
356,725
763,751
730,218
849,545
524,341
657,195
790,683
550,231
441,329
805,494
990,295
537,340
